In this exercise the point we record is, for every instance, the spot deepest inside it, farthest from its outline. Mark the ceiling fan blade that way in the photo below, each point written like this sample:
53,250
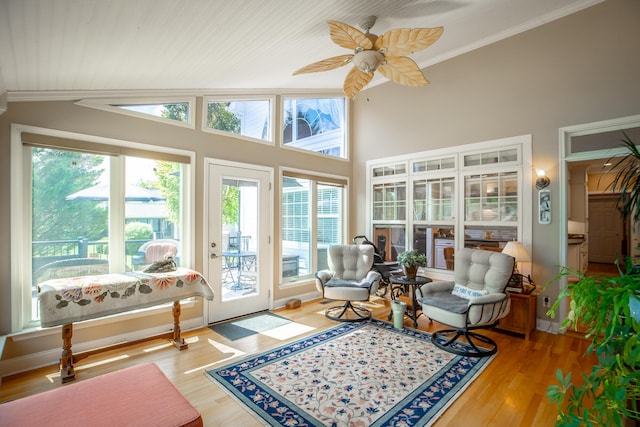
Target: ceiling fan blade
405,41
325,64
355,81
348,37
403,70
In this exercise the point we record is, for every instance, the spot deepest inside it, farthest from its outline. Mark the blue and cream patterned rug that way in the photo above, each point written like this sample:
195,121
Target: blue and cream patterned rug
354,374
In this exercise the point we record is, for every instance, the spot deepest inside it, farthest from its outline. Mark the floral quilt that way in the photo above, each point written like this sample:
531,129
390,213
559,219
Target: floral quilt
73,299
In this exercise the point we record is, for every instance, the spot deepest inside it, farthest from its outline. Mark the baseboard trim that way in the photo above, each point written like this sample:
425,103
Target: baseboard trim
51,357
309,296
547,326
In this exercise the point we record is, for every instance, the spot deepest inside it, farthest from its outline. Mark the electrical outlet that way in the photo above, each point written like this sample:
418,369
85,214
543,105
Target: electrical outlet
546,302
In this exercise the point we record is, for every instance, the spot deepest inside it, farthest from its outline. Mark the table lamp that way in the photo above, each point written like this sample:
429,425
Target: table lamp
517,251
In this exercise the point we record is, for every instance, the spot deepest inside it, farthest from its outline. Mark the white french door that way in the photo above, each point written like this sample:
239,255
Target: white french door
239,261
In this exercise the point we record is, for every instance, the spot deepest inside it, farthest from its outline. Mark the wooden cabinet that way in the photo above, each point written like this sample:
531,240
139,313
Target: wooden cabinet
577,259
522,316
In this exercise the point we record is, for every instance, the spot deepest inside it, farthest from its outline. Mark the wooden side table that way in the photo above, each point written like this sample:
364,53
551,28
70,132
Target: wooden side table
522,316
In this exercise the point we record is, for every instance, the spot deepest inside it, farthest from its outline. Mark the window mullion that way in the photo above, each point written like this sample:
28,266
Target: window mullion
117,214
313,209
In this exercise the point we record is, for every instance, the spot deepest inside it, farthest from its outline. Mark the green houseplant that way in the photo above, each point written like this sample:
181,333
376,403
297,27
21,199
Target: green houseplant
609,307
410,261
609,392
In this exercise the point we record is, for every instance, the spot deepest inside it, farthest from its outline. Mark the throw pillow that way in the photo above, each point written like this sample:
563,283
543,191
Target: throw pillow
467,293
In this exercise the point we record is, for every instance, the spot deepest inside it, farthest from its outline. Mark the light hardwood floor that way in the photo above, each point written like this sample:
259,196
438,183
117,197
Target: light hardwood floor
510,392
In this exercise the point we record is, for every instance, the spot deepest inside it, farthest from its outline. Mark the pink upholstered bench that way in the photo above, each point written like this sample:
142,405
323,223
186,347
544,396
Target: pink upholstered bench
138,396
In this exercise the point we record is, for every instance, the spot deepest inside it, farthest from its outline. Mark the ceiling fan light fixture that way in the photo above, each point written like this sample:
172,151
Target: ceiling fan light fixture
385,53
368,60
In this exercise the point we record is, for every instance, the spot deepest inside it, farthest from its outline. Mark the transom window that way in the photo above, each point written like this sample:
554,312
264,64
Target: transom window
172,110
315,124
247,118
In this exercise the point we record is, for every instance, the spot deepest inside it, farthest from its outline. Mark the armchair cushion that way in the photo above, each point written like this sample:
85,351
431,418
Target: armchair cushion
341,283
450,302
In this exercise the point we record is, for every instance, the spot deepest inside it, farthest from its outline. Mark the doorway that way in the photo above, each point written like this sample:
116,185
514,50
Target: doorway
239,261
585,144
607,234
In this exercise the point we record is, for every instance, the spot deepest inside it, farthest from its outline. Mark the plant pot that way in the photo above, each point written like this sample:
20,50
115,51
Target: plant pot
410,272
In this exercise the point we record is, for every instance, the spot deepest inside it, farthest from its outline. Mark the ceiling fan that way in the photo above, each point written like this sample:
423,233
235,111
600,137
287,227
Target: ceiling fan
385,53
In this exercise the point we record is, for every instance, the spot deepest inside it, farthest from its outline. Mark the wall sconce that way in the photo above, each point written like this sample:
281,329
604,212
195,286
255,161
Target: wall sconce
543,180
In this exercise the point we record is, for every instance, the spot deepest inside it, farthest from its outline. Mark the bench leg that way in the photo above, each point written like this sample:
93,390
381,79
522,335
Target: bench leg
177,340
67,372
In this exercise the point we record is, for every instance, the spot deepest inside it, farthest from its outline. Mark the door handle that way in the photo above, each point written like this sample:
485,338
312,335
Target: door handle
213,256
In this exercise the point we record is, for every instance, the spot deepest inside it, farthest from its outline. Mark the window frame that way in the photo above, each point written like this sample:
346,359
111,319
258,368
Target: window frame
20,196
525,181
317,178
106,104
346,139
219,98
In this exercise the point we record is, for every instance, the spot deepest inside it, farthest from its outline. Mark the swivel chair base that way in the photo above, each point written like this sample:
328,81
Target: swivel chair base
445,335
346,313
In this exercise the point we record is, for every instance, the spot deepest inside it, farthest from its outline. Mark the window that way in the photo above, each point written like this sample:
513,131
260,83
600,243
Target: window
248,118
175,111
315,124
416,207
86,218
312,219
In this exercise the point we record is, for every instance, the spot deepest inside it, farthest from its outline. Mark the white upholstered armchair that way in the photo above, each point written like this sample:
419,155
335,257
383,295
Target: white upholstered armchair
349,278
475,299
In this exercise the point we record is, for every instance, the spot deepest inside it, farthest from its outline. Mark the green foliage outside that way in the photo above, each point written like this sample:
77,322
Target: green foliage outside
230,205
56,175
168,184
136,231
177,112
220,118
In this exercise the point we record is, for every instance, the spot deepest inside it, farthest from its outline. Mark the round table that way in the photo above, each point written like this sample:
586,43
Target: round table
402,284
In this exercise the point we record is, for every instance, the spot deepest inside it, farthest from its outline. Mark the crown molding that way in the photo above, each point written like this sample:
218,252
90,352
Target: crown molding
74,95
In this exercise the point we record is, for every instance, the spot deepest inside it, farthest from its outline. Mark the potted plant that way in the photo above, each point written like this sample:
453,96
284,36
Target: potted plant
410,261
609,307
609,392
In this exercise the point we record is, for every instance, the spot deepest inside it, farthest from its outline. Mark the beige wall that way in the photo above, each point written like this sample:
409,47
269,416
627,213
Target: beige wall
578,69
64,115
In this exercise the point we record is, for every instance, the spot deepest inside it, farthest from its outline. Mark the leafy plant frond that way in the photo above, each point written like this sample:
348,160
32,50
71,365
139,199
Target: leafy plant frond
627,179
609,392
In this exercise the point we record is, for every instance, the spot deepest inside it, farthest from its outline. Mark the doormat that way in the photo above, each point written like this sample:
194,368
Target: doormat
354,374
242,327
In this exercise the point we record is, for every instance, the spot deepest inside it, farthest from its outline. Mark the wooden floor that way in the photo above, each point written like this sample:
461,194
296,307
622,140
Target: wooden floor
510,392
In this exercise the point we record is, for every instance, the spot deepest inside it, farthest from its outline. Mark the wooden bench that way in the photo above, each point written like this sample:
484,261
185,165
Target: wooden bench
74,299
140,396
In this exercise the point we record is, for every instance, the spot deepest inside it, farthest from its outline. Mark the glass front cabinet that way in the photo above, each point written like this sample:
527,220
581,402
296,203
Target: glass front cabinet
437,203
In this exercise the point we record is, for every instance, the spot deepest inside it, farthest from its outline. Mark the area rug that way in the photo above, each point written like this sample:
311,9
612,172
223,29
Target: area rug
235,329
354,374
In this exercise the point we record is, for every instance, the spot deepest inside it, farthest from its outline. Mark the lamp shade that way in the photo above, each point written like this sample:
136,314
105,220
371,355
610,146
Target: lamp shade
516,250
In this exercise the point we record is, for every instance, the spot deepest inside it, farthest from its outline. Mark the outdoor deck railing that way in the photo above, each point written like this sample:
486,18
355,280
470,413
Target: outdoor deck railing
45,252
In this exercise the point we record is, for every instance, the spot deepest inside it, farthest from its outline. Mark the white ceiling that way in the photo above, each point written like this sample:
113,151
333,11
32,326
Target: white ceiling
228,45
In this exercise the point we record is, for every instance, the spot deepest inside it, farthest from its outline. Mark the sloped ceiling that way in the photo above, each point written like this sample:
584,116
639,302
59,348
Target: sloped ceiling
227,46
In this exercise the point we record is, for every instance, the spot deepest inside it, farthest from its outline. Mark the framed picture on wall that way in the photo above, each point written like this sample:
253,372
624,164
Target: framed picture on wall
544,206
